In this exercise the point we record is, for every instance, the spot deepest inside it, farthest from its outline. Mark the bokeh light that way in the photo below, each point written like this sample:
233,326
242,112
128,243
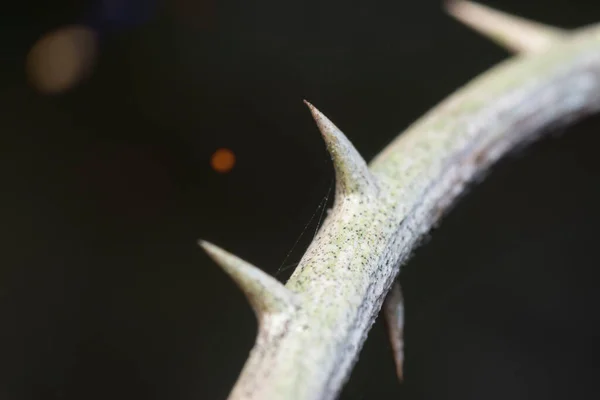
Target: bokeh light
223,160
61,59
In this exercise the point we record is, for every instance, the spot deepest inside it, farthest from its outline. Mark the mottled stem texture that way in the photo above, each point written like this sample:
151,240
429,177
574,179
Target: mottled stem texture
312,328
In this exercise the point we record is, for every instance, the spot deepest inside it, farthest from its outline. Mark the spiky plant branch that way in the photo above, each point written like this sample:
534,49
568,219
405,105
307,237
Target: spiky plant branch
312,329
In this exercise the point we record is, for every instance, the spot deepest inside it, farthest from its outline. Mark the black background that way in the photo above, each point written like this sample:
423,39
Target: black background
106,188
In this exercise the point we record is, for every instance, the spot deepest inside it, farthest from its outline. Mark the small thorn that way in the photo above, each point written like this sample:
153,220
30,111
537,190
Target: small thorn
351,170
393,309
266,294
517,34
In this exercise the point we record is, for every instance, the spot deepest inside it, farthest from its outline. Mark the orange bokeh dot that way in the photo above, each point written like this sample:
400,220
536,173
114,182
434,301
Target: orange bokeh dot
222,160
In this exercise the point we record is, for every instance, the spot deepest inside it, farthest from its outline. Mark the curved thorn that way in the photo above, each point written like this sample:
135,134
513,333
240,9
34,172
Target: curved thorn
517,34
265,293
351,171
393,309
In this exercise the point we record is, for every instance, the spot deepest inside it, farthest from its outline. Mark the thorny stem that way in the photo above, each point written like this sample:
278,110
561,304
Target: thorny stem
312,329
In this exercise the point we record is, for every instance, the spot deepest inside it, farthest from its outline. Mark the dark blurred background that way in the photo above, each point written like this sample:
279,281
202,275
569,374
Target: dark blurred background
131,128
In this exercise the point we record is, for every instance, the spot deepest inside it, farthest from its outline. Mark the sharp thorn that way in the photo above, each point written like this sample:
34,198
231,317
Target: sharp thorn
393,309
351,170
266,294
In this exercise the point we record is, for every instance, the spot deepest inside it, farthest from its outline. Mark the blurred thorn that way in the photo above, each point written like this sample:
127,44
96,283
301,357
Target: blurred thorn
393,309
61,59
515,33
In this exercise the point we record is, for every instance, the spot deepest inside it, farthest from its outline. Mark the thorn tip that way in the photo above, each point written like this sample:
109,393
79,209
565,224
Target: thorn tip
265,293
352,172
394,315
